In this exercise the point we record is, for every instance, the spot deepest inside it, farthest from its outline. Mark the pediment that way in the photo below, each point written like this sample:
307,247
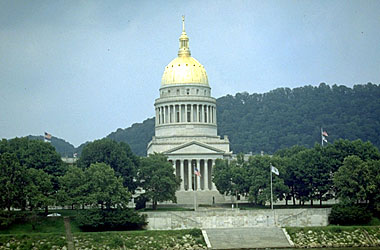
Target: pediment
193,147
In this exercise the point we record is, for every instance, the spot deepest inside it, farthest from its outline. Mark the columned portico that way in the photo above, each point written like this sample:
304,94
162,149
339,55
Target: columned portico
185,169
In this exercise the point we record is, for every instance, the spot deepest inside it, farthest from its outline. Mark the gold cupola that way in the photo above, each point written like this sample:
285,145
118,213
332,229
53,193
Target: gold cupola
184,69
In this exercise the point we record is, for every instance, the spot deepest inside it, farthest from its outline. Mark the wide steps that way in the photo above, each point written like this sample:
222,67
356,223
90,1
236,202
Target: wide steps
247,238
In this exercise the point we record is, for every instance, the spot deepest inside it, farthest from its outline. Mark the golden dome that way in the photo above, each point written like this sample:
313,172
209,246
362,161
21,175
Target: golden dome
184,69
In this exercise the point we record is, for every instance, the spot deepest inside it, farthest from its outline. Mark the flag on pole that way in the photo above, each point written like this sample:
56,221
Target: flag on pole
323,136
75,155
275,170
47,136
197,172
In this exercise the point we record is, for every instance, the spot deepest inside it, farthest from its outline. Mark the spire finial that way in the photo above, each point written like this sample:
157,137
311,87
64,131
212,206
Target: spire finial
183,41
183,23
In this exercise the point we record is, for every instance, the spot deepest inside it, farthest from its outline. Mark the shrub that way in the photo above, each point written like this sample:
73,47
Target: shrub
6,219
140,202
195,232
110,219
349,215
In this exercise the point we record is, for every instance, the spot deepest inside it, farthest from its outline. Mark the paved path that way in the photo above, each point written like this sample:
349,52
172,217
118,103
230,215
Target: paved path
69,237
247,238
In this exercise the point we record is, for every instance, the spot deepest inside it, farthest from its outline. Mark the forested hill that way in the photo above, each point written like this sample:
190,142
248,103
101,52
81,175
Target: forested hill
137,136
284,117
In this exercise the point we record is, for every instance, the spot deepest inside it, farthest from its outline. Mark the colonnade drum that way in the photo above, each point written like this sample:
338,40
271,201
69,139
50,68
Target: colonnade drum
180,113
186,168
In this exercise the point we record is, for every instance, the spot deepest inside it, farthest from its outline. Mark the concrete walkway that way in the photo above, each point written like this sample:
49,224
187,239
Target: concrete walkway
247,238
69,237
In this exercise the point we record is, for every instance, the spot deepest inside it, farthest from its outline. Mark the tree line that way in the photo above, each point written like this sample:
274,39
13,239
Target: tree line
105,177
347,170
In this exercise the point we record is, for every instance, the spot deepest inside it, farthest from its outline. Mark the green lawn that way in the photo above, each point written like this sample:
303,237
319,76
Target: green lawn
44,225
177,239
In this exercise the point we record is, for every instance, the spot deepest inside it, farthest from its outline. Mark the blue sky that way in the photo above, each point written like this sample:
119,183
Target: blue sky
82,69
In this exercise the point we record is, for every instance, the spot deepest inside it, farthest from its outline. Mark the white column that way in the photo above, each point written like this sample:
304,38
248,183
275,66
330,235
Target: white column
157,116
204,113
215,115
190,175
182,168
170,114
212,169
208,114
195,112
185,112
180,113
199,113
206,175
198,179
191,113
162,114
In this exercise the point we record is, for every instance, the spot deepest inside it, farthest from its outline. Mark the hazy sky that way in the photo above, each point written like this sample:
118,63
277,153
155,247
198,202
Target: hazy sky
81,69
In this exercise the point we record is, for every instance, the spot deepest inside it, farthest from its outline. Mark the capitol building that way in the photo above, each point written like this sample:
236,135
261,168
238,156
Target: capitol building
186,127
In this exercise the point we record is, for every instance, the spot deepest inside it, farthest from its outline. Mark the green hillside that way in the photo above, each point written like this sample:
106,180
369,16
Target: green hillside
284,117
137,136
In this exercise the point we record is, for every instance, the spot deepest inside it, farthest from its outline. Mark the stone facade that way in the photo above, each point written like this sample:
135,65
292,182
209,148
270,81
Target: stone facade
186,127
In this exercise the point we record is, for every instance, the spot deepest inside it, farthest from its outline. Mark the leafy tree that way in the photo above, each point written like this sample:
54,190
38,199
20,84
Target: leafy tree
312,175
259,179
117,155
251,178
37,154
39,190
374,185
358,180
12,178
158,179
340,149
104,188
73,188
222,174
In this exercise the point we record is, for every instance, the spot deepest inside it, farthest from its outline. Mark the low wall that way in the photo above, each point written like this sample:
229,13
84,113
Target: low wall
237,218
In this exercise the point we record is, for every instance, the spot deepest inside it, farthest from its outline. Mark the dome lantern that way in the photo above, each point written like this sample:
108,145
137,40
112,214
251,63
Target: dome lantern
184,41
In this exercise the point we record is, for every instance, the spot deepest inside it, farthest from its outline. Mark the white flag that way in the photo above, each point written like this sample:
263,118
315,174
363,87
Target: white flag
324,138
275,170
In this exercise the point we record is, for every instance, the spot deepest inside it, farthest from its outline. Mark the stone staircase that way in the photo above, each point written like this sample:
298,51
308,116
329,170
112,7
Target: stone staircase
247,238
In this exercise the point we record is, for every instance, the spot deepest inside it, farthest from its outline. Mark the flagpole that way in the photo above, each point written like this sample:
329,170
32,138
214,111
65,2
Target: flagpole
195,195
271,188
322,136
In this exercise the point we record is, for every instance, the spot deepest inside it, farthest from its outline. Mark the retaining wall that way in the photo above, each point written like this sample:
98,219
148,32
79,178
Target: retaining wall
236,218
